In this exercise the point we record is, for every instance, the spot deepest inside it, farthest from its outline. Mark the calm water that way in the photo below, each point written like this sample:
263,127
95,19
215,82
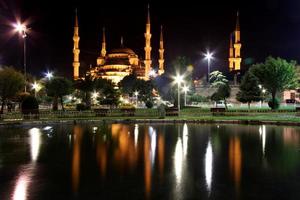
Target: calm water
131,161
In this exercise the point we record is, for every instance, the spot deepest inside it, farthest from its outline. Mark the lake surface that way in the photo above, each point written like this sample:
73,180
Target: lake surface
141,161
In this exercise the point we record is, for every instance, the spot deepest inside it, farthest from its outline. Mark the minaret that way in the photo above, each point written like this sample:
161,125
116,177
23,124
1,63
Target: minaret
148,48
103,50
161,60
76,51
237,45
231,55
101,58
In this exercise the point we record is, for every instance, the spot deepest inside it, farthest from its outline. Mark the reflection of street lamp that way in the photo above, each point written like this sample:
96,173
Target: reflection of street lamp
21,28
185,89
208,56
178,79
136,93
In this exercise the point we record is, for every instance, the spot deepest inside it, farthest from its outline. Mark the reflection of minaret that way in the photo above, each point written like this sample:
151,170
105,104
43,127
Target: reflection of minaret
101,59
235,160
76,157
76,50
148,48
161,53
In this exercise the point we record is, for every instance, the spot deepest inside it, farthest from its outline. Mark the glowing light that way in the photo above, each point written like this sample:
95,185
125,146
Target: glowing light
20,192
21,28
95,95
178,158
208,166
35,142
136,134
153,144
136,93
185,88
49,75
152,73
185,138
178,79
208,56
36,86
262,133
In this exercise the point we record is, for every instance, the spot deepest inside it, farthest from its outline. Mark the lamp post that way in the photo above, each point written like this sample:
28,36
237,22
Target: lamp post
136,93
208,56
36,87
49,75
185,89
178,80
21,28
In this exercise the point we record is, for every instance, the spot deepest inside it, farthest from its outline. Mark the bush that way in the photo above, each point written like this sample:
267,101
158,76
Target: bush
149,104
81,107
162,111
30,106
275,105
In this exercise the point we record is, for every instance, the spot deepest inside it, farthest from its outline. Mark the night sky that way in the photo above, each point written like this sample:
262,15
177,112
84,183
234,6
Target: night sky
268,27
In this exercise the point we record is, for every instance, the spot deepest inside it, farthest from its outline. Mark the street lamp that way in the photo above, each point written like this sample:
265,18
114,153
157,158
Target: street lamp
36,87
185,90
49,75
136,93
178,79
208,56
22,29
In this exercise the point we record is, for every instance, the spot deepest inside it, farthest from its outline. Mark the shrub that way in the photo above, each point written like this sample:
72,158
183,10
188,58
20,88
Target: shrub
161,111
30,106
81,107
149,104
274,105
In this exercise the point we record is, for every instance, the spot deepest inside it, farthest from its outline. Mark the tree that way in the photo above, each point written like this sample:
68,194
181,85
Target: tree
11,82
86,85
127,84
58,87
219,81
276,75
249,89
108,94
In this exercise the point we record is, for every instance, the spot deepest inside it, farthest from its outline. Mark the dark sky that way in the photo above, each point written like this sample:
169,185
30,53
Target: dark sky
268,27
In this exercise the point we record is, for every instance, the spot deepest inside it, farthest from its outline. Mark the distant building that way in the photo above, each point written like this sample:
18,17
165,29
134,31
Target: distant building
117,63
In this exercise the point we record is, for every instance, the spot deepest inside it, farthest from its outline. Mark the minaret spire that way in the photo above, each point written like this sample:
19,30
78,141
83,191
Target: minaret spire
103,50
231,56
122,42
76,51
237,27
148,60
161,60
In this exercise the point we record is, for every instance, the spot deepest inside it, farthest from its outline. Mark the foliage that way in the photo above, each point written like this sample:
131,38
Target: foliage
216,78
11,82
198,98
276,75
86,86
274,104
162,111
57,88
249,89
29,105
149,104
131,83
81,107
108,94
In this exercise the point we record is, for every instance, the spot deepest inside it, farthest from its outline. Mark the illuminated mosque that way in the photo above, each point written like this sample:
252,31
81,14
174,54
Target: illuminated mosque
117,63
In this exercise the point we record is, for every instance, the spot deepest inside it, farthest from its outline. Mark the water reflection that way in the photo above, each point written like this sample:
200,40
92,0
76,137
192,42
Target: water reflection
262,133
136,135
235,160
147,165
208,165
161,154
35,142
25,176
77,138
152,133
291,136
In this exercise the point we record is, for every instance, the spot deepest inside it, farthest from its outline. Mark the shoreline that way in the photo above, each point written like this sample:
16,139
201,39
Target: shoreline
149,121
